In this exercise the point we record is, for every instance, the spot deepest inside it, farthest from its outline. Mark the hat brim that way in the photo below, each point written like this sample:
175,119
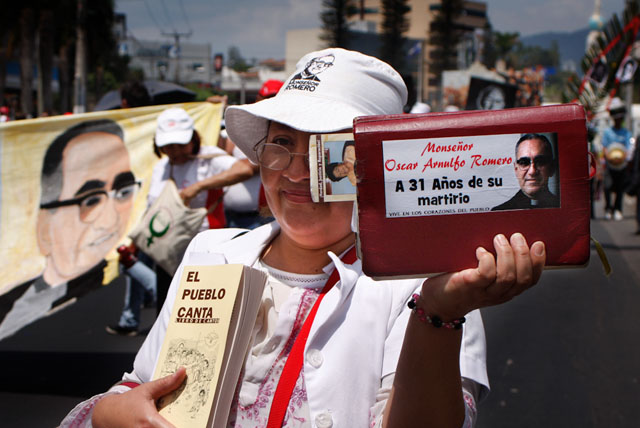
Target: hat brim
247,125
175,137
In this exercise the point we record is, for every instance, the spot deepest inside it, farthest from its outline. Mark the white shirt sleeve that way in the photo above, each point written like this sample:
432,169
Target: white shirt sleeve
470,390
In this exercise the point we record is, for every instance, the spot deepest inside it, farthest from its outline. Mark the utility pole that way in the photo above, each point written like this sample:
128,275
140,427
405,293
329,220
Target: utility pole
80,75
176,36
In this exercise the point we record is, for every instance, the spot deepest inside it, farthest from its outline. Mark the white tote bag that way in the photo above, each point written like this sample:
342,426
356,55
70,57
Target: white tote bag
167,227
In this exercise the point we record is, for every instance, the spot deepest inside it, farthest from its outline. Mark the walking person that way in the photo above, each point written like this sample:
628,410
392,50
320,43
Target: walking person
616,143
200,173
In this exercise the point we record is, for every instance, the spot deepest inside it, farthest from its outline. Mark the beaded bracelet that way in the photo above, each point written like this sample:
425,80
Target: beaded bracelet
434,320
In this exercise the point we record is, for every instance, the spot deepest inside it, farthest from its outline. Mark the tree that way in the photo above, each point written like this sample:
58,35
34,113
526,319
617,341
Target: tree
504,44
45,61
235,60
27,47
335,28
65,36
53,26
445,35
394,25
8,39
107,68
531,56
489,55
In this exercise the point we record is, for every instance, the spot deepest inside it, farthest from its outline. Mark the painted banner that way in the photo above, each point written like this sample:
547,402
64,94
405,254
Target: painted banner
460,175
71,189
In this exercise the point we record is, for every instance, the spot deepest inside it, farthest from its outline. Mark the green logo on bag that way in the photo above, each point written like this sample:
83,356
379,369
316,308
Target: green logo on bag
154,233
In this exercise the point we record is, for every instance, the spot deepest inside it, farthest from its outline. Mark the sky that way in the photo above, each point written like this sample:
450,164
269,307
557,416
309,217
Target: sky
258,27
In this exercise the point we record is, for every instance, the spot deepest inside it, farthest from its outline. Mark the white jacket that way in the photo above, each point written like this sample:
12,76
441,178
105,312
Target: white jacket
354,341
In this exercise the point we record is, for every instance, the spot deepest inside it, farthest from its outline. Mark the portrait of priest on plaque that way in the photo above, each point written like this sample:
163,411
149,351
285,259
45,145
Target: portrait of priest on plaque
536,170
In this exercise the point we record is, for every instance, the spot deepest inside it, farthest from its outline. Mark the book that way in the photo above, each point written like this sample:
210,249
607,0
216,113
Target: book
332,161
434,187
209,331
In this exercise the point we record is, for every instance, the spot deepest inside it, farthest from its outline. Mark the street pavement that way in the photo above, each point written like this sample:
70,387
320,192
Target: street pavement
564,354
56,362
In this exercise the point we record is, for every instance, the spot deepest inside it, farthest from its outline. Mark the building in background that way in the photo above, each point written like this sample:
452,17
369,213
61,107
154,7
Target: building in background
367,24
184,62
163,60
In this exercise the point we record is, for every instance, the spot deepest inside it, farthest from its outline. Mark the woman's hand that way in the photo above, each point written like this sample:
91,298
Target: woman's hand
190,192
137,408
518,267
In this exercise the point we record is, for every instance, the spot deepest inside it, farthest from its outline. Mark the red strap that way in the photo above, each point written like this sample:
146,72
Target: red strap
293,365
262,198
130,384
216,217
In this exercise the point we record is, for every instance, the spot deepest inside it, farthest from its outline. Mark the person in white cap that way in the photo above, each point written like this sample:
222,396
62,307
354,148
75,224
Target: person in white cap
200,173
369,360
420,107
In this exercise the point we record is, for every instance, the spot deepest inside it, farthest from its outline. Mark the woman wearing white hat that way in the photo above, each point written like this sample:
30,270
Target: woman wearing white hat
200,174
368,359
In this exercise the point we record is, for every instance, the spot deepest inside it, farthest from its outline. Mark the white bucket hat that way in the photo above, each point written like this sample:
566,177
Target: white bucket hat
174,126
327,91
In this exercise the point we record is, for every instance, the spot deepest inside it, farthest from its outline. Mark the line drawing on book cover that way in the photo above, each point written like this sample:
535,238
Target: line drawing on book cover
198,356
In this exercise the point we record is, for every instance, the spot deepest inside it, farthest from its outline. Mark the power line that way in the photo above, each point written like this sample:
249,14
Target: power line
153,18
167,16
184,13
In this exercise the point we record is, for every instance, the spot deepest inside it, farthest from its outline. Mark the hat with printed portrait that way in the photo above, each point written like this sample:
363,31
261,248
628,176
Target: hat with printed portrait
328,89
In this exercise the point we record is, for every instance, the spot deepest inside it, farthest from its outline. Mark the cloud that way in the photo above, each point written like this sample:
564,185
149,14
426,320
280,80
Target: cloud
258,29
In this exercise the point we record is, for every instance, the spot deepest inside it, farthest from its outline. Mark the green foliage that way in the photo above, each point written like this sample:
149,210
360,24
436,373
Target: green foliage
236,61
506,46
394,25
504,43
203,91
554,86
334,15
531,56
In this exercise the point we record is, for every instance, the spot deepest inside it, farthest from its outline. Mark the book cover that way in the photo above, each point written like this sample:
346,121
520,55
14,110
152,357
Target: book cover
434,187
332,160
208,333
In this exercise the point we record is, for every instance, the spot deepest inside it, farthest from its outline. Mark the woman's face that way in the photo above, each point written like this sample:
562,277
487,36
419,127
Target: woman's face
311,225
341,170
178,153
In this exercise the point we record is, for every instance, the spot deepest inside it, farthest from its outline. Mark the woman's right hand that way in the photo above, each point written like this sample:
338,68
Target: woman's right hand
137,408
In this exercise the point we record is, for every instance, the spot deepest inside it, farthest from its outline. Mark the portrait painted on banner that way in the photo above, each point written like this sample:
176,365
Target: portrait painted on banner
87,191
536,170
72,188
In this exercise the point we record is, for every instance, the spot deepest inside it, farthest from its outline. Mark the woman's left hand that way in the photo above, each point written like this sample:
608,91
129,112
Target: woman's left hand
494,281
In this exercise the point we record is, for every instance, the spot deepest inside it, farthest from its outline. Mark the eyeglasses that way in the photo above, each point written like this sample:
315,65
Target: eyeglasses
539,161
277,157
92,203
